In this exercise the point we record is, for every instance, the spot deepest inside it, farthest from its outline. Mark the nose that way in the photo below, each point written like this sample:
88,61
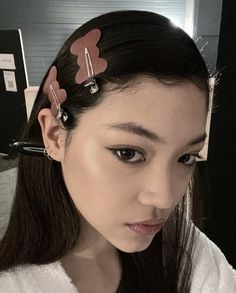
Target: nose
157,189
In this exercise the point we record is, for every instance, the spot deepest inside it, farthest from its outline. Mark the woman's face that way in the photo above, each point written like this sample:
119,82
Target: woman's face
112,186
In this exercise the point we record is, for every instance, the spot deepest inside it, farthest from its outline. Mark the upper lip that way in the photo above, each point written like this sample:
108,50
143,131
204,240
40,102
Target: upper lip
150,222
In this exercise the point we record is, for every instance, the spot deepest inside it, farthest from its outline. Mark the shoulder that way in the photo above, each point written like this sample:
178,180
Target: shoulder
37,279
211,271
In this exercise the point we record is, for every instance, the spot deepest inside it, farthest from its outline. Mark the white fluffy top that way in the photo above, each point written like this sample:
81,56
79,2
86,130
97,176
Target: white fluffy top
211,274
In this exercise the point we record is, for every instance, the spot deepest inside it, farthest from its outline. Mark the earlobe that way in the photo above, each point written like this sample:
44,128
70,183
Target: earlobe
51,134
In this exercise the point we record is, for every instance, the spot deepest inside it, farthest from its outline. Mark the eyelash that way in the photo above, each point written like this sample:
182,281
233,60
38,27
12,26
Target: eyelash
116,150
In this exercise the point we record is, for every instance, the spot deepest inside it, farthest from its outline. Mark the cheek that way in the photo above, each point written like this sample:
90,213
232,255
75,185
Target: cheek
93,181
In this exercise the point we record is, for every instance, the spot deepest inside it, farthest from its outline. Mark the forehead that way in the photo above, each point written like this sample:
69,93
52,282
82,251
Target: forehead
146,90
169,110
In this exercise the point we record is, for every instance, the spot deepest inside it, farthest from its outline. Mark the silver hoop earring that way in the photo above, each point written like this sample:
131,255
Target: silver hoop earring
47,154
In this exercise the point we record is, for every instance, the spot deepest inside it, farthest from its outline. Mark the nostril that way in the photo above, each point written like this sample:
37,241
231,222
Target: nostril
158,200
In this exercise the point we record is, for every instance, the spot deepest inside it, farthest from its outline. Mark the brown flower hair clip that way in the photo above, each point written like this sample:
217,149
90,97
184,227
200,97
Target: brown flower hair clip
88,60
56,95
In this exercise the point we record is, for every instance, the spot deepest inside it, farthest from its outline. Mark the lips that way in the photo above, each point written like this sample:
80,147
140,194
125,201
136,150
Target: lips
149,227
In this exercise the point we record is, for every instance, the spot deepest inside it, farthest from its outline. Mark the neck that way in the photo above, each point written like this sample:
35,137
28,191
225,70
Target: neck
93,258
89,272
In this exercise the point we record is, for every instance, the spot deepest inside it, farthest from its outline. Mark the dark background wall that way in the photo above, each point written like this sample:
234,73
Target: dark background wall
12,104
207,21
220,170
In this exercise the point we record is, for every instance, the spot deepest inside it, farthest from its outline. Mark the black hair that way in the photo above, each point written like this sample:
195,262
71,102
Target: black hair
44,223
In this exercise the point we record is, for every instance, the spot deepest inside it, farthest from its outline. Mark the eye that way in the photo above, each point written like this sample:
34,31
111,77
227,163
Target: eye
128,155
189,159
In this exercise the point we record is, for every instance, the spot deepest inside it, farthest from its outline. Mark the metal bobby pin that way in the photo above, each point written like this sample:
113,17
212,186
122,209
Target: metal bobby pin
56,101
91,81
61,114
26,148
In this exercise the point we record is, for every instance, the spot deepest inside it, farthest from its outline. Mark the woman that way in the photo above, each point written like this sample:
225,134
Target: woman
121,117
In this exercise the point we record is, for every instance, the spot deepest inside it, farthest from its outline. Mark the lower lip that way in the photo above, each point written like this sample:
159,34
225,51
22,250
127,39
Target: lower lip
148,230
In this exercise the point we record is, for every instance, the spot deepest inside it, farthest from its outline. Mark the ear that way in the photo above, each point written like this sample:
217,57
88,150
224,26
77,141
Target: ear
52,134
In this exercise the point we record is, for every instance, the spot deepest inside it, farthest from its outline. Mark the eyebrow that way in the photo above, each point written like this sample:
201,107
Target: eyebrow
135,128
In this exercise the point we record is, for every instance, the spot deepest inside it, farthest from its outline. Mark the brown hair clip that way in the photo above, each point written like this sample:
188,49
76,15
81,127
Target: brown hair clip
88,59
56,95
89,63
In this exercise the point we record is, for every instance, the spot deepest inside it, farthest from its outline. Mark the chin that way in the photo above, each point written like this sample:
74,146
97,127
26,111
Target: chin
131,247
